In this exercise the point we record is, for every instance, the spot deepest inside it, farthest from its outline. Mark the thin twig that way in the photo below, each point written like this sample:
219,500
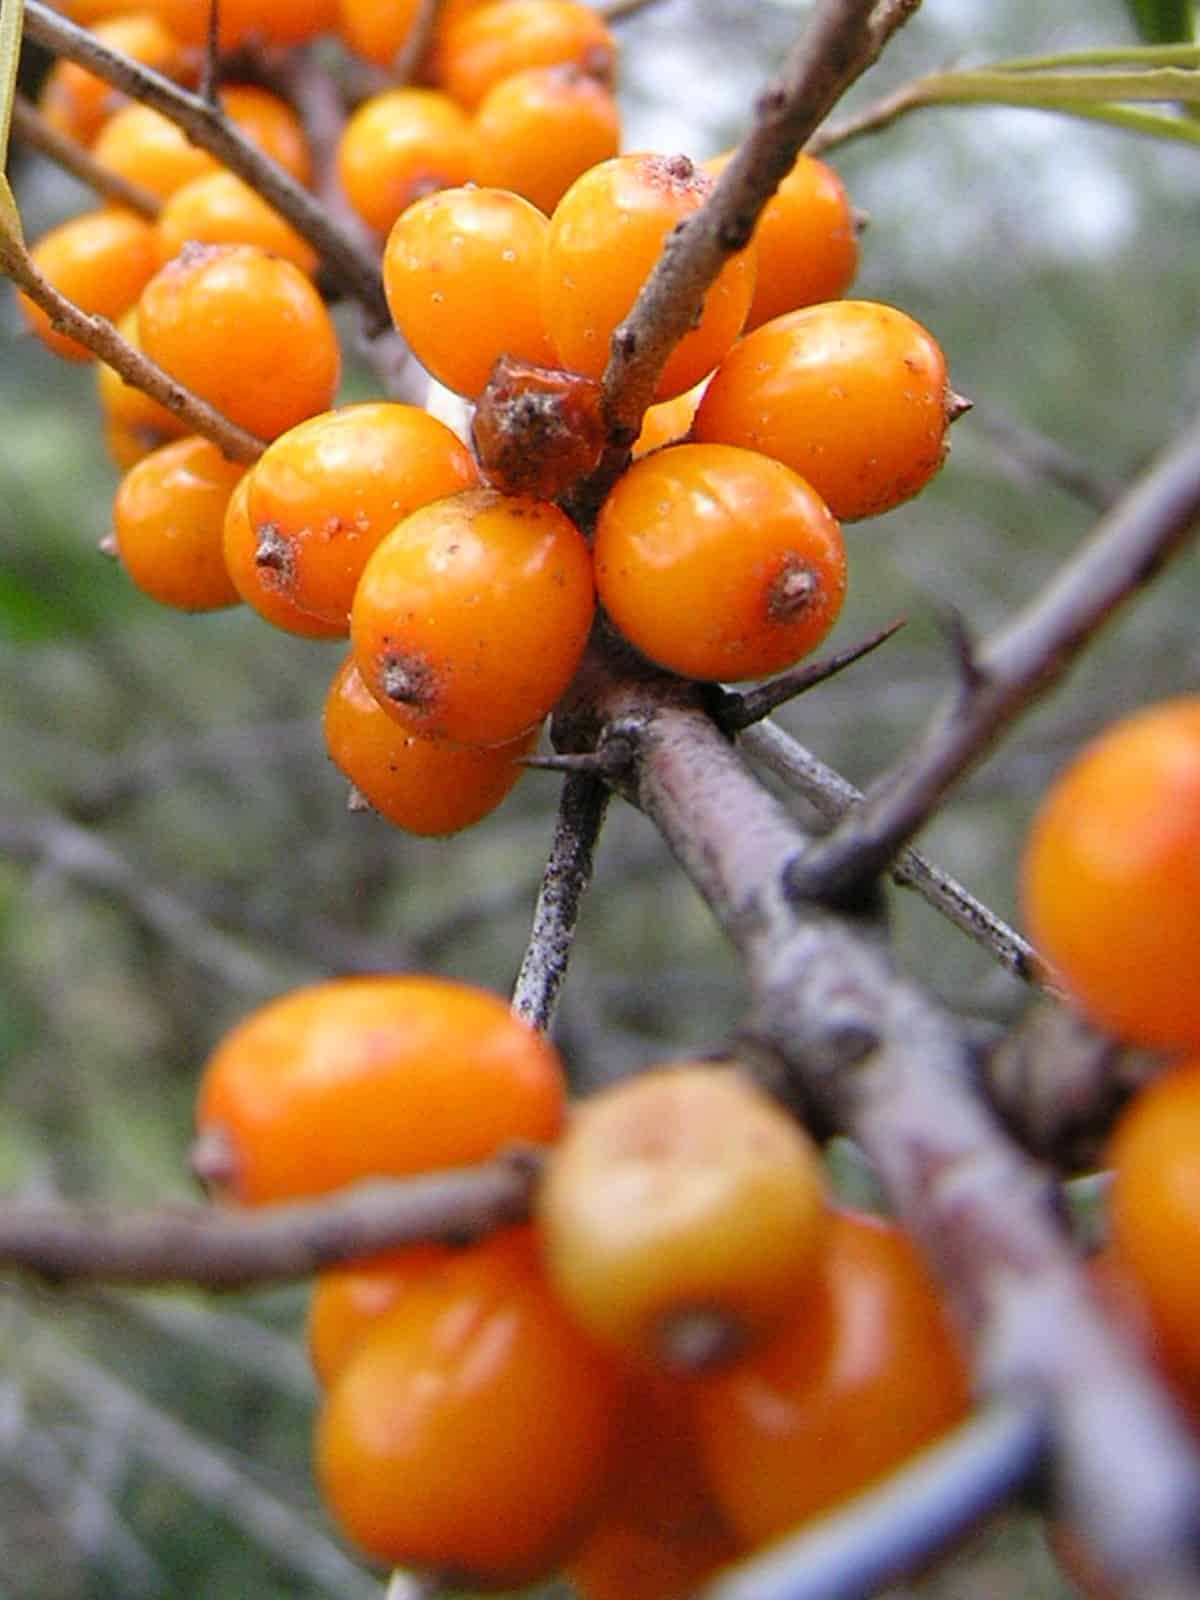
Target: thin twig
218,1249
416,43
581,809
618,10
742,709
1031,454
1128,548
75,158
99,336
354,268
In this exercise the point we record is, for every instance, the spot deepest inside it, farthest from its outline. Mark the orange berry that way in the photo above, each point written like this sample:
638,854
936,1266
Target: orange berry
669,422
682,1214
148,149
324,494
101,261
469,1432
244,330
270,123
866,1375
78,103
492,42
605,236
1111,876
131,409
805,240
426,786
851,395
221,209
472,615
244,22
126,446
241,544
542,128
400,145
749,556
461,274
168,516
348,1302
371,1077
377,32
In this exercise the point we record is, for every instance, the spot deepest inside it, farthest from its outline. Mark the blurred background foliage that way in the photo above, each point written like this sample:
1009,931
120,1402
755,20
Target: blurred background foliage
175,848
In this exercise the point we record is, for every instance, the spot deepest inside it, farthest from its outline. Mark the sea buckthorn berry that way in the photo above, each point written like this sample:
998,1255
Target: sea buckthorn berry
669,422
251,578
538,430
168,516
425,786
477,52
400,145
1154,1212
851,395
719,563
472,615
271,124
126,446
221,209
243,22
101,261
542,128
348,1302
867,1374
131,409
606,234
78,103
370,1077
148,149
461,274
806,240
469,1432
244,330
1111,877
658,1533
377,32
682,1214
325,493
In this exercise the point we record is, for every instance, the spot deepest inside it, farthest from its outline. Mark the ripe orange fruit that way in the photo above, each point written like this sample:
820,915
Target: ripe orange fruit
148,149
246,331
371,1077
221,209
491,42
749,556
426,786
377,32
251,577
244,22
78,103
542,128
101,261
606,234
348,1302
866,1375
683,1205
168,516
324,494
851,395
471,616
131,409
271,124
461,274
400,145
469,1432
669,422
1111,876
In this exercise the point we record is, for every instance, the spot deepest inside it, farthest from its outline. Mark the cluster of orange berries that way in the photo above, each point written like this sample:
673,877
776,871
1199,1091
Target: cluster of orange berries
1112,895
640,1385
514,230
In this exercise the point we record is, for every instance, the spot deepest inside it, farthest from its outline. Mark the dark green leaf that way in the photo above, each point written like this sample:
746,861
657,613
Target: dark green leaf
1164,21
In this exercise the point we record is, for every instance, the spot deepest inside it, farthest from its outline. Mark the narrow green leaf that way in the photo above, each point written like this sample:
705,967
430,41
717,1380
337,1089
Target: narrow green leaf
1162,21
1131,55
1047,89
11,15
10,217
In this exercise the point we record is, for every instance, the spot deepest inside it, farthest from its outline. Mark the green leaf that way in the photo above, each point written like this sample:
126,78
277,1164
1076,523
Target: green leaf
11,15
1164,21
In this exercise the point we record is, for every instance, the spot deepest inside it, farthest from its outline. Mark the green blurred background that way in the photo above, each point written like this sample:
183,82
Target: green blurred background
175,848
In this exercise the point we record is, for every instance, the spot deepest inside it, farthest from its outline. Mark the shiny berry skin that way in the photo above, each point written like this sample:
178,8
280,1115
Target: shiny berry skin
805,240
101,261
348,1302
490,44
271,124
377,32
132,409
145,147
851,395
682,1214
669,422
461,274
324,494
221,209
370,1077
425,786
542,128
255,579
400,145
719,563
168,516
606,234
469,1432
868,1374
245,22
1111,877
78,103
472,615
244,330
